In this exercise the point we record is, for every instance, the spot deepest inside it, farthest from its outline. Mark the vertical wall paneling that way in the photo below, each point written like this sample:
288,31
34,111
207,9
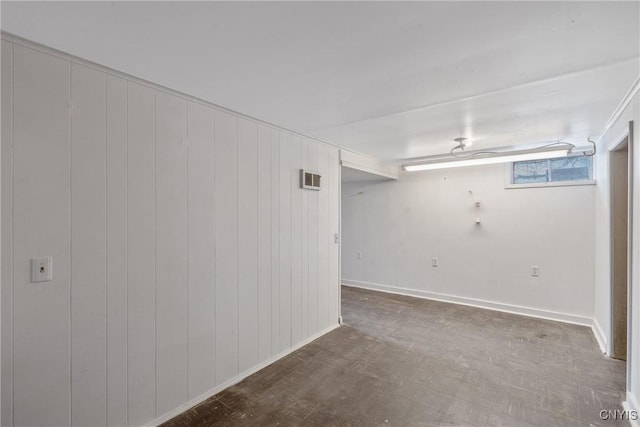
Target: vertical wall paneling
184,250
264,241
304,237
6,295
141,256
116,251
275,241
333,187
247,244
201,295
296,242
41,228
285,241
88,246
312,215
171,252
323,238
226,220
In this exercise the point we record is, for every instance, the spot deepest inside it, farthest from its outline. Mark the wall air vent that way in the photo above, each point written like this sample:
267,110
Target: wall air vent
309,180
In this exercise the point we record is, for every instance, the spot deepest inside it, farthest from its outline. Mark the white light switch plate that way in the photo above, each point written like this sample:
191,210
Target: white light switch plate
41,269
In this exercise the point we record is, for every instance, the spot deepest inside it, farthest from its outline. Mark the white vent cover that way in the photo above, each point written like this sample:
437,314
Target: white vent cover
309,180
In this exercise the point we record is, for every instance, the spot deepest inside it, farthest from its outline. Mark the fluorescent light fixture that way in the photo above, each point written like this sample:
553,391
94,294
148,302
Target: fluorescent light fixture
488,158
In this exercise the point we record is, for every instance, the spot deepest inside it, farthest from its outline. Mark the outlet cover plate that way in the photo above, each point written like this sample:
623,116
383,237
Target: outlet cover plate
41,269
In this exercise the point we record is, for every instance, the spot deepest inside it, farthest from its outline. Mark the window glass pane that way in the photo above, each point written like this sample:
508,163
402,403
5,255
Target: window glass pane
531,171
571,169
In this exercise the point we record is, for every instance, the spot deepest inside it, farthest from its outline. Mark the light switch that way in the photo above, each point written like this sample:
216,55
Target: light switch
336,238
41,269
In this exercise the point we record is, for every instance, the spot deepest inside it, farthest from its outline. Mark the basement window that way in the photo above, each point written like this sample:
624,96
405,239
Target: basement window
570,170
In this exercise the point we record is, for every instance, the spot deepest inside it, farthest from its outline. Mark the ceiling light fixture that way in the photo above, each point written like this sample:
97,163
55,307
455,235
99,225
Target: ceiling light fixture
547,151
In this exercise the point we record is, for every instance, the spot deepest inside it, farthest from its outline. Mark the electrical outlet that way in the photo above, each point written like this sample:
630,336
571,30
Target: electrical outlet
535,271
41,269
336,238
358,255
434,262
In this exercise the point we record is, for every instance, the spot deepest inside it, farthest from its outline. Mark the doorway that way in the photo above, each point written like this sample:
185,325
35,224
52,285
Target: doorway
620,180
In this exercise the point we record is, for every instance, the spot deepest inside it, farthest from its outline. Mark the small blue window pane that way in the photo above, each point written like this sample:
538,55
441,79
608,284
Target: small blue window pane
531,171
570,169
573,168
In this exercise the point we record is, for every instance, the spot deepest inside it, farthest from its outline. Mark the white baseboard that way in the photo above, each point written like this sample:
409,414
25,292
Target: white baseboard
599,335
490,305
631,405
193,402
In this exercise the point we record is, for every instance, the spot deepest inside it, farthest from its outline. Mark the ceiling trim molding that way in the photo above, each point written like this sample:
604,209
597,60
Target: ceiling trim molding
369,164
622,106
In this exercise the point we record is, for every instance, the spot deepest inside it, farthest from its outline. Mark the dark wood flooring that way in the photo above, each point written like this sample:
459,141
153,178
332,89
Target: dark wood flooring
402,361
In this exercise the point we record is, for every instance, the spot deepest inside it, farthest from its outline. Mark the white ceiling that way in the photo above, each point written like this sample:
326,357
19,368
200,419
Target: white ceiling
390,79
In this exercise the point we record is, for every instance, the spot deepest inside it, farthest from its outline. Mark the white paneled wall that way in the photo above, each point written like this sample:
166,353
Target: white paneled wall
171,252
284,235
247,245
88,245
6,291
141,253
185,254
201,250
42,314
117,266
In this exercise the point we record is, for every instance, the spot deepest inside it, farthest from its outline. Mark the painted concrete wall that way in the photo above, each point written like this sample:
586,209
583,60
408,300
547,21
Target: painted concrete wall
613,137
185,254
399,226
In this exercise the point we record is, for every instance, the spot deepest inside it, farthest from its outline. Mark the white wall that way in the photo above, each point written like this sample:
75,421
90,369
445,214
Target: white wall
398,226
185,255
617,132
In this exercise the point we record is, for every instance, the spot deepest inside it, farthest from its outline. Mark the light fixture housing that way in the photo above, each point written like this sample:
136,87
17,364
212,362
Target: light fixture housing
463,143
487,158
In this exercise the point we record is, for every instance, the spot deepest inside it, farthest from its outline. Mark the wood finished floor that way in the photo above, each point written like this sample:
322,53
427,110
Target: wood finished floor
402,361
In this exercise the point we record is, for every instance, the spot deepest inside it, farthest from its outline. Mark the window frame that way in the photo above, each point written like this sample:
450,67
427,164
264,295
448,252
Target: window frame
508,175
